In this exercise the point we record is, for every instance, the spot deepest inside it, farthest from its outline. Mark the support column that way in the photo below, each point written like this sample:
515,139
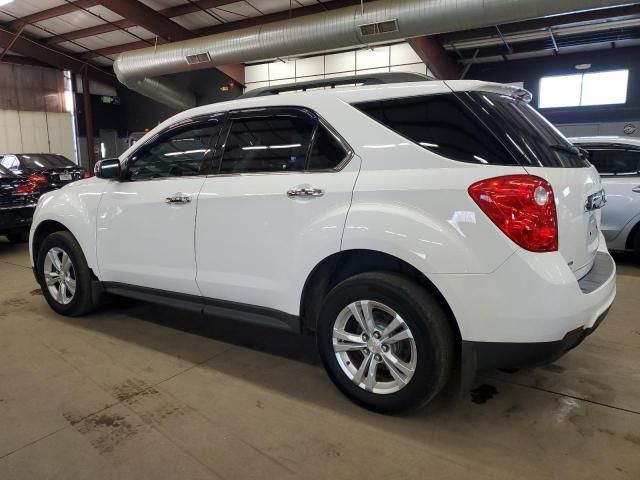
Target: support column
88,121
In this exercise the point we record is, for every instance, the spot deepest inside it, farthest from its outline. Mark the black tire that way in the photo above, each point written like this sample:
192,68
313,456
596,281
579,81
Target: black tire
18,237
83,300
423,315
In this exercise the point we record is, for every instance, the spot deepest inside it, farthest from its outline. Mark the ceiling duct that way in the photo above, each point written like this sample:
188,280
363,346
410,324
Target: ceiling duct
330,30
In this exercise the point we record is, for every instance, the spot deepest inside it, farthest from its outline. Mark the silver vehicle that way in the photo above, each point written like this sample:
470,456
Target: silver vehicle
618,161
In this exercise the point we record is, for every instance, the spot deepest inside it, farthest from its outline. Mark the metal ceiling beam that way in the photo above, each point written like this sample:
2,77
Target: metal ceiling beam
543,23
52,13
193,7
226,27
147,17
55,58
430,50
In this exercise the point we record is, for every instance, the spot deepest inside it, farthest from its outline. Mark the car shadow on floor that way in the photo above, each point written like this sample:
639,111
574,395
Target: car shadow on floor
298,348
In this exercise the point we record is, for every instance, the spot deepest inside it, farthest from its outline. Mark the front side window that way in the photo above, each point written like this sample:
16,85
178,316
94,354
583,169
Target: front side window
441,124
612,161
179,153
276,143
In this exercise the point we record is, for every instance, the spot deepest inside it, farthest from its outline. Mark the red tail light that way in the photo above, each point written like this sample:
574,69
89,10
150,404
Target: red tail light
523,207
25,189
37,179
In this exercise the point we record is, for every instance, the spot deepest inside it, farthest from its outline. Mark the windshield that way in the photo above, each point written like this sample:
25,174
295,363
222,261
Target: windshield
5,173
43,160
530,137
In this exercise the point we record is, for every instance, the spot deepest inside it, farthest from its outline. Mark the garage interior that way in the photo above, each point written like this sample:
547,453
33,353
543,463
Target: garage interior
142,391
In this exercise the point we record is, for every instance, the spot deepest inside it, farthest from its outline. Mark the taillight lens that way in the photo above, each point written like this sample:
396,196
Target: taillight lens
38,179
28,188
523,207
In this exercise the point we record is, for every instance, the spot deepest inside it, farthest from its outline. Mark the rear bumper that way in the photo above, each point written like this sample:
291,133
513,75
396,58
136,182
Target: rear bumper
481,356
16,217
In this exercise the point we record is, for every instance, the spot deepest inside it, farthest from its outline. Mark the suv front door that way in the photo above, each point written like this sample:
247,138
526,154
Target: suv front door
146,221
275,207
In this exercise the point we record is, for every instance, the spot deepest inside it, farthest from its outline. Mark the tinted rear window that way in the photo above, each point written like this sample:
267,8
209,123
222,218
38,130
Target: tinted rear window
441,124
37,161
529,136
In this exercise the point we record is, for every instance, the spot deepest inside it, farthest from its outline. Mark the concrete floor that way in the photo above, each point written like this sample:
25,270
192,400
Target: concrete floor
139,391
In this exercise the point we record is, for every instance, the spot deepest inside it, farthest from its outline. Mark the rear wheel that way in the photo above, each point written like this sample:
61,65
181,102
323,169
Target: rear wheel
385,341
18,237
64,275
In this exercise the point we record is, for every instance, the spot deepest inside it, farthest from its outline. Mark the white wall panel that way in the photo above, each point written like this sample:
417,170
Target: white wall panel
306,67
340,62
279,70
35,137
61,133
10,136
35,132
402,54
412,68
375,58
398,57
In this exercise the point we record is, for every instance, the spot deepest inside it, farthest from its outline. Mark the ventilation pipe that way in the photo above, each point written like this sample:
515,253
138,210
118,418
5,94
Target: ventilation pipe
379,21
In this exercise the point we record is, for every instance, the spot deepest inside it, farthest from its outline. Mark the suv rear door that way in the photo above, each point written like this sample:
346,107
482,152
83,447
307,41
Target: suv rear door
274,208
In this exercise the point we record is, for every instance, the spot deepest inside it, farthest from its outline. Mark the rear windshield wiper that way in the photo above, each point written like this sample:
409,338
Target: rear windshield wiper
573,150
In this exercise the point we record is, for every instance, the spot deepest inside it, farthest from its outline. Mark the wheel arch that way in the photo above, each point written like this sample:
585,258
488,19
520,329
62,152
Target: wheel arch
42,231
344,264
633,239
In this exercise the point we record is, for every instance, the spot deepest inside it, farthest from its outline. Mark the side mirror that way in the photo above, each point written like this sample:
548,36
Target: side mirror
109,169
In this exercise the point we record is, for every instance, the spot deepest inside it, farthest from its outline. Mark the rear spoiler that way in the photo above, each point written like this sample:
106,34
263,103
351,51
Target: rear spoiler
474,85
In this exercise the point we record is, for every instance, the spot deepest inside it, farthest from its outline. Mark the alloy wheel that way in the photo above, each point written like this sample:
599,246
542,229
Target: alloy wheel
374,347
60,275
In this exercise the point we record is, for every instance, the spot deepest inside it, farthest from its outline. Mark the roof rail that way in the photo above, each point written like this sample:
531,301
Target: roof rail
352,80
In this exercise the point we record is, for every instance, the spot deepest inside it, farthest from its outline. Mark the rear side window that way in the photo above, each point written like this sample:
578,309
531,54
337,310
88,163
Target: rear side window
277,143
43,160
441,124
613,161
328,150
529,136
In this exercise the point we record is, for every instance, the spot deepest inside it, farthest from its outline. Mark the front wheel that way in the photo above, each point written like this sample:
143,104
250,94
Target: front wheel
385,341
64,275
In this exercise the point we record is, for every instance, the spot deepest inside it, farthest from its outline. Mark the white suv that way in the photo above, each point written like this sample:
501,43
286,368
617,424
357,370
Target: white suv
417,229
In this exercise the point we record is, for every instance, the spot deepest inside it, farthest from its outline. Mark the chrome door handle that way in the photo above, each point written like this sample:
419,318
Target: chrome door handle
305,192
178,198
637,189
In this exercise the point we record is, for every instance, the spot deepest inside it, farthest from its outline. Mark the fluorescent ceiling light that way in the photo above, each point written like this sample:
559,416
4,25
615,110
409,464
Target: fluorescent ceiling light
4,2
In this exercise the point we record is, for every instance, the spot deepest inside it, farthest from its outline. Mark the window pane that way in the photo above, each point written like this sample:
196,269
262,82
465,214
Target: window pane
560,91
180,154
531,138
267,144
327,152
605,88
441,124
615,162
